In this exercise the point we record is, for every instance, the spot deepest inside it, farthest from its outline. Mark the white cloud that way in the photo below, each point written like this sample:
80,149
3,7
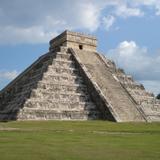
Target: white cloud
137,61
38,21
149,3
127,54
14,35
108,21
8,75
89,17
124,11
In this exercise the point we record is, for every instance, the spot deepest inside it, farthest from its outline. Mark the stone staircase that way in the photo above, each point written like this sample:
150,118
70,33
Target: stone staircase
15,94
120,101
146,100
50,89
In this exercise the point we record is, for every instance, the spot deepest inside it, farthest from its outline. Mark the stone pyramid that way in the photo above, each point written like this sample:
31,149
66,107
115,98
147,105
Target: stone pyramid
75,82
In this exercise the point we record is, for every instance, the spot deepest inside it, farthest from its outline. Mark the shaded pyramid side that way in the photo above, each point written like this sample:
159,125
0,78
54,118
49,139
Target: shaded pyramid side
14,95
51,88
118,101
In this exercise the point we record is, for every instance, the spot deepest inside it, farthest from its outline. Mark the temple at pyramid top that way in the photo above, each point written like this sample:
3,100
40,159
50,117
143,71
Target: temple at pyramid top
74,40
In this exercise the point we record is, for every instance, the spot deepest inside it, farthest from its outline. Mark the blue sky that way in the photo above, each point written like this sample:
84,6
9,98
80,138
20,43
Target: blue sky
127,32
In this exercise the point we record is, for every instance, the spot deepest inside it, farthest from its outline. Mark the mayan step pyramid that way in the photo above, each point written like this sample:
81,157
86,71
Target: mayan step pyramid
75,82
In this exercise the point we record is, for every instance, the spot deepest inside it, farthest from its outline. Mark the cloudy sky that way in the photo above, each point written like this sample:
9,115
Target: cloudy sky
128,32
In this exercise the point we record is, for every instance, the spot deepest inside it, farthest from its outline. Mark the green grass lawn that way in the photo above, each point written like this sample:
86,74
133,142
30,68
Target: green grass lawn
79,140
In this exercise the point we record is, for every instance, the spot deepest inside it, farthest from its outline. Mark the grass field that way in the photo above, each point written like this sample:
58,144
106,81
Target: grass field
78,140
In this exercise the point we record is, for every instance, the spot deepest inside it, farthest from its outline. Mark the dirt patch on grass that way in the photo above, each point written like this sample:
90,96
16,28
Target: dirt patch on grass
8,129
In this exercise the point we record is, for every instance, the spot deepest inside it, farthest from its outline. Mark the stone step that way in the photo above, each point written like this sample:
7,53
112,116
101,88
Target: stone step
154,118
41,67
57,93
63,63
63,75
62,96
19,87
17,101
35,79
55,101
52,69
152,101
37,71
124,77
151,109
17,97
157,101
63,115
39,103
142,98
132,85
20,94
63,49
21,90
13,106
29,86
66,56
63,79
65,87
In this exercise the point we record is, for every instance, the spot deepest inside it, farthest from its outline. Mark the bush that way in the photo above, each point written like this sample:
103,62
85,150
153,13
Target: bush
158,96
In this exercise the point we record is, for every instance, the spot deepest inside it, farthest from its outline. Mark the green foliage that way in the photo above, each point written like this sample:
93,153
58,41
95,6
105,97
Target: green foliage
79,140
158,96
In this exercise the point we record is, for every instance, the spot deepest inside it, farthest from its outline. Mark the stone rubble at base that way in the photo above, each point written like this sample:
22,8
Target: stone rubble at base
75,82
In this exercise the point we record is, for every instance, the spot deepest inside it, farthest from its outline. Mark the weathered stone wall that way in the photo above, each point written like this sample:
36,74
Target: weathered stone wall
61,94
13,96
52,88
74,40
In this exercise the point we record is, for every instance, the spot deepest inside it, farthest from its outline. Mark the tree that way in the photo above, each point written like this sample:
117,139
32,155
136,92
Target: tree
158,96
